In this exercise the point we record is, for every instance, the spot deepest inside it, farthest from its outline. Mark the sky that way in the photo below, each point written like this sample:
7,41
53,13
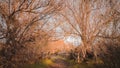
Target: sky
75,40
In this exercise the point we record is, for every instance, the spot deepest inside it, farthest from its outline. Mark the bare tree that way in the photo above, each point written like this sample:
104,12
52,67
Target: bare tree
21,21
91,20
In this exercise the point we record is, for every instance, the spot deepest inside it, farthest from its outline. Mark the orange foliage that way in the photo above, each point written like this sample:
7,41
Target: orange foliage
57,46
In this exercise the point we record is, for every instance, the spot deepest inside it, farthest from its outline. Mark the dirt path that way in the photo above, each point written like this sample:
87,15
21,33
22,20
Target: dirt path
59,63
64,63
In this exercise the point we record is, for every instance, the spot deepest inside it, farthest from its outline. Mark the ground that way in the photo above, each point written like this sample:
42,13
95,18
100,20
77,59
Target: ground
59,62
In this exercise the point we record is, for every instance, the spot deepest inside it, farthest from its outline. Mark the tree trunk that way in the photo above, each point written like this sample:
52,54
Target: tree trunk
78,57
